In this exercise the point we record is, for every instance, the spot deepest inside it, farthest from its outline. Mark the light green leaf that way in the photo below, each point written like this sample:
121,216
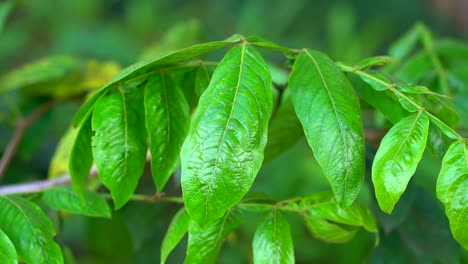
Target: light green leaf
30,230
443,127
150,65
88,106
119,141
284,119
327,221
272,242
59,164
167,120
452,189
202,78
397,158
416,69
7,250
176,231
63,198
81,157
224,148
403,46
204,244
263,43
330,114
376,80
374,61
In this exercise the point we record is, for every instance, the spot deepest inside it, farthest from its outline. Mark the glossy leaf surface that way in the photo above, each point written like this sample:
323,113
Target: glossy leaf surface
204,244
330,115
119,141
224,148
176,231
63,198
30,230
8,253
272,242
167,121
452,189
81,157
397,158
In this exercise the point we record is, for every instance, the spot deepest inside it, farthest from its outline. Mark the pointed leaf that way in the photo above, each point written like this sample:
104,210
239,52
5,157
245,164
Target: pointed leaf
204,244
374,61
403,46
272,242
327,221
167,121
203,78
63,198
119,141
329,112
452,189
152,64
176,231
60,160
376,80
397,158
30,230
224,148
8,253
5,9
81,157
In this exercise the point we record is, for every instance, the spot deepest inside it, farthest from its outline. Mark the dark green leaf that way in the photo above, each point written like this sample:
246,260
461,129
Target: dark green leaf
284,119
81,157
330,114
119,143
63,198
7,250
452,189
224,148
202,78
205,244
5,9
30,230
443,127
397,158
167,121
416,69
152,64
327,221
176,231
59,164
374,61
272,242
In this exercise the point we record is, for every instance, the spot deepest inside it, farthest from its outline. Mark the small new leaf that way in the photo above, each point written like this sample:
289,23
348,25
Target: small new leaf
397,158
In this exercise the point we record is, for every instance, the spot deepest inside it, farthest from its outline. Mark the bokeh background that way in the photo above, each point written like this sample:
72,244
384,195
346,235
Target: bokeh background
123,32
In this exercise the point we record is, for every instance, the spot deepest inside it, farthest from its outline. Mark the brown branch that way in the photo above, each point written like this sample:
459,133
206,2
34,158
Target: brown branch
21,127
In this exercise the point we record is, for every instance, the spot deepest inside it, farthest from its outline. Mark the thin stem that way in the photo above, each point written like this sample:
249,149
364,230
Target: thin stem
21,126
393,89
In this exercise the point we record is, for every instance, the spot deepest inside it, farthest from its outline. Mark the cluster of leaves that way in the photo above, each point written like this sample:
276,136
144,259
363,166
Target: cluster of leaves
220,122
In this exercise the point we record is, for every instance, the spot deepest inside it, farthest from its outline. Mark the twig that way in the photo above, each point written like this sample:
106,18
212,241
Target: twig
39,186
21,127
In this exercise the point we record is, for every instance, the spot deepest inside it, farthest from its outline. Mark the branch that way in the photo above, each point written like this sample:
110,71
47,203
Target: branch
21,127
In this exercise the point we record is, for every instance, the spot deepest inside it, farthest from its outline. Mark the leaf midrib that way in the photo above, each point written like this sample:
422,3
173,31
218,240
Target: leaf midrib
337,120
225,130
124,109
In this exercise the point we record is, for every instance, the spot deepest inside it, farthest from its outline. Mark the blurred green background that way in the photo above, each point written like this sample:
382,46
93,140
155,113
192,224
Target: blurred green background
125,31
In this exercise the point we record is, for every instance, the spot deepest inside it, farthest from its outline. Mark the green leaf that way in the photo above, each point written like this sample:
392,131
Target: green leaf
63,198
263,43
374,61
202,78
148,66
5,9
176,231
119,141
376,80
7,250
59,164
224,148
87,108
167,121
30,230
284,119
416,69
204,244
443,127
81,157
329,111
397,158
327,221
452,189
403,46
272,242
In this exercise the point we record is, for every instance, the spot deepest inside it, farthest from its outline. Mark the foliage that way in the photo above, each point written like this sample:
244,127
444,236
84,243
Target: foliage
222,122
